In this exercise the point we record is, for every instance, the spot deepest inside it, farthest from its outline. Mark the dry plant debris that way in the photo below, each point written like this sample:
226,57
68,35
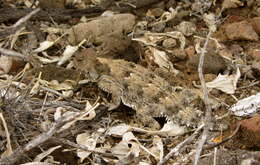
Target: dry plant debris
129,82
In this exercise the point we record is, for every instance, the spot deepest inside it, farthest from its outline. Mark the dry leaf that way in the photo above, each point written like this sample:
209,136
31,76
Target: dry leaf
157,148
123,149
119,130
246,106
69,51
225,83
9,149
45,153
161,59
170,129
44,46
88,141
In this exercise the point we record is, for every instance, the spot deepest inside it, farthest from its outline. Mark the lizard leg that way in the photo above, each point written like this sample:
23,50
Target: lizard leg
110,85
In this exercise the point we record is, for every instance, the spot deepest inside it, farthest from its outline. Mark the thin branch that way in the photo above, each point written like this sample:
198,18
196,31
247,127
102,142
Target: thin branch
13,53
206,101
40,139
224,140
180,146
82,147
26,18
18,24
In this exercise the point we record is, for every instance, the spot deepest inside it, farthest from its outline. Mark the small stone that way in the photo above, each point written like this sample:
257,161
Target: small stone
187,28
241,31
169,43
250,131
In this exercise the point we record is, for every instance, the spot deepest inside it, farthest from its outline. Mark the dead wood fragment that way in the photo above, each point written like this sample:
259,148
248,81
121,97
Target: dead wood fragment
128,5
40,139
58,15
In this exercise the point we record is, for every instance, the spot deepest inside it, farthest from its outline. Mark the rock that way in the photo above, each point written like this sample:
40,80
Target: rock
213,63
256,69
107,33
249,135
241,31
236,157
97,30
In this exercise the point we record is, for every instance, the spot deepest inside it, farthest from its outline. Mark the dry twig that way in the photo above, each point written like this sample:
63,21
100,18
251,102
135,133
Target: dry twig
82,147
206,101
18,24
180,146
40,139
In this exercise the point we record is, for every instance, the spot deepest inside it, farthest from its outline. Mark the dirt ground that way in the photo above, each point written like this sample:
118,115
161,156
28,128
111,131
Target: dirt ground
93,82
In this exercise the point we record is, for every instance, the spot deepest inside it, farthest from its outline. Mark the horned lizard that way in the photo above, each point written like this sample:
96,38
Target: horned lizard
140,89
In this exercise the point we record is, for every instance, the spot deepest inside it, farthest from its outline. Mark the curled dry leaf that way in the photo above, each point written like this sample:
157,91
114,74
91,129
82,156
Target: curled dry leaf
87,114
225,83
246,106
119,130
170,129
157,148
162,59
128,145
44,46
45,153
88,141
69,51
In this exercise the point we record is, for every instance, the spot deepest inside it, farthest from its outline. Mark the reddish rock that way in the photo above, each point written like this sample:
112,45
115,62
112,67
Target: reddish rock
250,131
241,31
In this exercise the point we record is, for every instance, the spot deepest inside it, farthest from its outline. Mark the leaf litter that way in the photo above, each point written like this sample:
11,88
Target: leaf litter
48,112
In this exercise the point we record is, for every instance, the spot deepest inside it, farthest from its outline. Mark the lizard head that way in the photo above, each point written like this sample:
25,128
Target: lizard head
87,62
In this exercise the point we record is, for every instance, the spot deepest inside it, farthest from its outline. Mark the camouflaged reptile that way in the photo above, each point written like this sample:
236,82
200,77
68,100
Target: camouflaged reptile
140,89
